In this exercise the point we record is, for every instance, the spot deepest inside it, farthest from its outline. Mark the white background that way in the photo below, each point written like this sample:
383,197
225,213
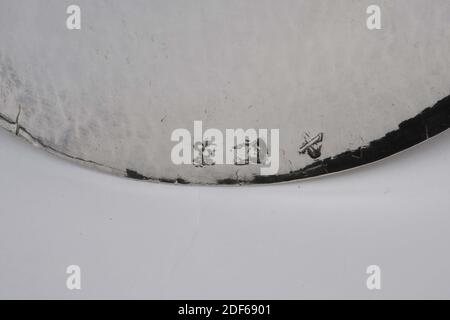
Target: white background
310,239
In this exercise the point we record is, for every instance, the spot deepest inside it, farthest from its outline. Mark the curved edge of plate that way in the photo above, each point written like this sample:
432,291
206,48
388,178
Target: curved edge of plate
427,124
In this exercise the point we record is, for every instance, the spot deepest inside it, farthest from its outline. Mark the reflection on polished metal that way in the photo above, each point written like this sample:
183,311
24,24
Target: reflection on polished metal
283,90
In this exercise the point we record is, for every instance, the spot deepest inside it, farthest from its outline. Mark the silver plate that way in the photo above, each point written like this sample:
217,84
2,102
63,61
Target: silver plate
114,93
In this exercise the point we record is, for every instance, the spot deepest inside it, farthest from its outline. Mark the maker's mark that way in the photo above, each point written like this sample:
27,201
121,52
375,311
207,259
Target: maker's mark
312,146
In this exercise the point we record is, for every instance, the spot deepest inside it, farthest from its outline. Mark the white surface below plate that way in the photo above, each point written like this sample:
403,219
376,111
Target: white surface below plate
312,239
